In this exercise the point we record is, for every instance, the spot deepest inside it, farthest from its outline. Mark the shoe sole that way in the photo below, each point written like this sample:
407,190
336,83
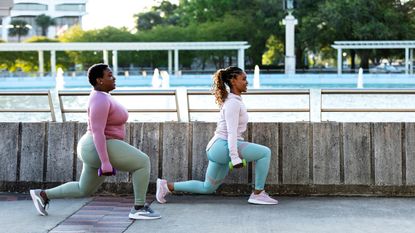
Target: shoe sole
158,191
261,202
142,217
35,202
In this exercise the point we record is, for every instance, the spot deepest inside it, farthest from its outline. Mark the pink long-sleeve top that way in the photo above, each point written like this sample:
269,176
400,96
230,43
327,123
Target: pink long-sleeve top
231,125
106,120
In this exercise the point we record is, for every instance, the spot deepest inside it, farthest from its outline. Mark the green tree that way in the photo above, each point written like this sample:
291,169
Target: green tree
259,17
164,14
364,20
44,22
107,34
18,28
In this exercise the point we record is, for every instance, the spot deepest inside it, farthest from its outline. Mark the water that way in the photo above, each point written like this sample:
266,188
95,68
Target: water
267,81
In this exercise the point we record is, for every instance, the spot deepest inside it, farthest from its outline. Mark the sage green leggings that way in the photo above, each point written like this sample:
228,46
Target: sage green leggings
123,157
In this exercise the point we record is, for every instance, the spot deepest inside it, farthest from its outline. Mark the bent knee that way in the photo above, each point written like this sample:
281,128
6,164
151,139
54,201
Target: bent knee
146,160
209,190
266,151
87,192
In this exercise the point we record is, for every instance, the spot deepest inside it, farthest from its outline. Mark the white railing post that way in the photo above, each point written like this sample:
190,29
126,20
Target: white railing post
55,102
182,105
315,105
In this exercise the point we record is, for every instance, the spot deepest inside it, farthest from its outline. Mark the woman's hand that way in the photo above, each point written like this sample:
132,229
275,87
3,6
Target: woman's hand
237,162
106,169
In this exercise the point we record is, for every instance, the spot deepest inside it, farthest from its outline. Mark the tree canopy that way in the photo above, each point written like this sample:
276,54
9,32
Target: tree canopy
320,23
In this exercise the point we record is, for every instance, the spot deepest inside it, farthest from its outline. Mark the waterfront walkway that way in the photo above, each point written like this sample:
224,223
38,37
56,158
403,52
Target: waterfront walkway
212,214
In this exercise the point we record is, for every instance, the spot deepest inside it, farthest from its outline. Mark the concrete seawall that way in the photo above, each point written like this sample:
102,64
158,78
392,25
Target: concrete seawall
307,158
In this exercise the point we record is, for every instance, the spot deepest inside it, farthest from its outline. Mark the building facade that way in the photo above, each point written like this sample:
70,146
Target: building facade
65,13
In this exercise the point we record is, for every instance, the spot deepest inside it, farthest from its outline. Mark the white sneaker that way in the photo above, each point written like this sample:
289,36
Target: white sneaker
262,199
38,201
162,190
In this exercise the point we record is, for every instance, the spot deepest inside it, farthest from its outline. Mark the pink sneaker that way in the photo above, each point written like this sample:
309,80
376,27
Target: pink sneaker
162,190
262,199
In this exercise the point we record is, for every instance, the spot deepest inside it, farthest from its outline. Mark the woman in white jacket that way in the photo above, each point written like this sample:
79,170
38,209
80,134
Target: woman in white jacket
227,148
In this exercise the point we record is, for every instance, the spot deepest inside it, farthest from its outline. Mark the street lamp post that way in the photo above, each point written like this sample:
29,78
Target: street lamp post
290,21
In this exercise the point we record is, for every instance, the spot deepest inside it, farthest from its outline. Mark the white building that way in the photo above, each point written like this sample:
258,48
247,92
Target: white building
66,13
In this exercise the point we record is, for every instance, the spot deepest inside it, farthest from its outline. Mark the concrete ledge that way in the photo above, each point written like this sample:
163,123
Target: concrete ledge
307,158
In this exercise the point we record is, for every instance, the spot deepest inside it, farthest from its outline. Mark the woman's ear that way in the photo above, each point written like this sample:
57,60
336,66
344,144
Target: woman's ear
233,80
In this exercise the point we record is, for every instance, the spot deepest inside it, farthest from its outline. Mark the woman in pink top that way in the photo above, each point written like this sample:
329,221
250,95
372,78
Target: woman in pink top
102,150
227,145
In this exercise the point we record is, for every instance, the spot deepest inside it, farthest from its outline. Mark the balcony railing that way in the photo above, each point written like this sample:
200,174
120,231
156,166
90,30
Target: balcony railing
184,105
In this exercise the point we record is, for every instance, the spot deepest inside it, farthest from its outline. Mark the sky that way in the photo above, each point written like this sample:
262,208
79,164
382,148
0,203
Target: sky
117,13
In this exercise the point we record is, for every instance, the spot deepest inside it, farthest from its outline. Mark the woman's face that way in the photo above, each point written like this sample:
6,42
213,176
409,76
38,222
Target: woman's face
239,83
107,82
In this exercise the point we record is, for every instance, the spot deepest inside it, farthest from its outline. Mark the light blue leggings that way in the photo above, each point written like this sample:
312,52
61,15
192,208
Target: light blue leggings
218,168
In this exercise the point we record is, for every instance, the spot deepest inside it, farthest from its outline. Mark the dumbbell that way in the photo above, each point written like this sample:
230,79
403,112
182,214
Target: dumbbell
231,165
114,171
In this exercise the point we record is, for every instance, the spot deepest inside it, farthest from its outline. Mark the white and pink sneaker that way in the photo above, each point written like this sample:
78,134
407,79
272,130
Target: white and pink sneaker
262,199
162,190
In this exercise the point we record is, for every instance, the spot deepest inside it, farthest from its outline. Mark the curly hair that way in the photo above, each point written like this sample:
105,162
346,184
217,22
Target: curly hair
221,79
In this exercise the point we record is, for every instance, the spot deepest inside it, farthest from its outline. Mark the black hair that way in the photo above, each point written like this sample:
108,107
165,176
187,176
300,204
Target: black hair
96,71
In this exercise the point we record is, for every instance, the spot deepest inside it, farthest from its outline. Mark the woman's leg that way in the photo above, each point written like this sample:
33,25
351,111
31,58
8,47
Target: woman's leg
125,157
216,171
262,157
87,185
214,176
89,181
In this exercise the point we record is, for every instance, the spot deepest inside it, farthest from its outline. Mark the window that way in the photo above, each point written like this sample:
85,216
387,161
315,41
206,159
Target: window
30,7
70,7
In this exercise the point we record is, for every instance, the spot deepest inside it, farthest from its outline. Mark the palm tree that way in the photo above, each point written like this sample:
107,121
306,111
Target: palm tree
44,22
19,28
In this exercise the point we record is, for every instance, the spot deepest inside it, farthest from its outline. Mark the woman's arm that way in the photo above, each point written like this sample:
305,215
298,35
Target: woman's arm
98,115
231,112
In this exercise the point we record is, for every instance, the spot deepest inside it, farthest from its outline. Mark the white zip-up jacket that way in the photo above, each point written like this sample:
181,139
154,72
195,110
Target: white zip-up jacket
231,125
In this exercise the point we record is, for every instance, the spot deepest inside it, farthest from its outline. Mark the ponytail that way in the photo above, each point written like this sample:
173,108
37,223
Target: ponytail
221,79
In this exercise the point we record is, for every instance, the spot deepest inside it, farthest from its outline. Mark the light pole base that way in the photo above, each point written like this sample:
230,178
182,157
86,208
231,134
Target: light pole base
289,64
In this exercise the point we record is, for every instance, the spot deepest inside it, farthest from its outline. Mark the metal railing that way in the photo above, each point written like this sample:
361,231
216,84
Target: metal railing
378,106
254,93
349,92
314,102
46,93
170,93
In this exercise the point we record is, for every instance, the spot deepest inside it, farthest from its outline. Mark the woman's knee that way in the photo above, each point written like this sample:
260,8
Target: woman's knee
141,161
210,186
146,161
87,191
266,152
209,189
